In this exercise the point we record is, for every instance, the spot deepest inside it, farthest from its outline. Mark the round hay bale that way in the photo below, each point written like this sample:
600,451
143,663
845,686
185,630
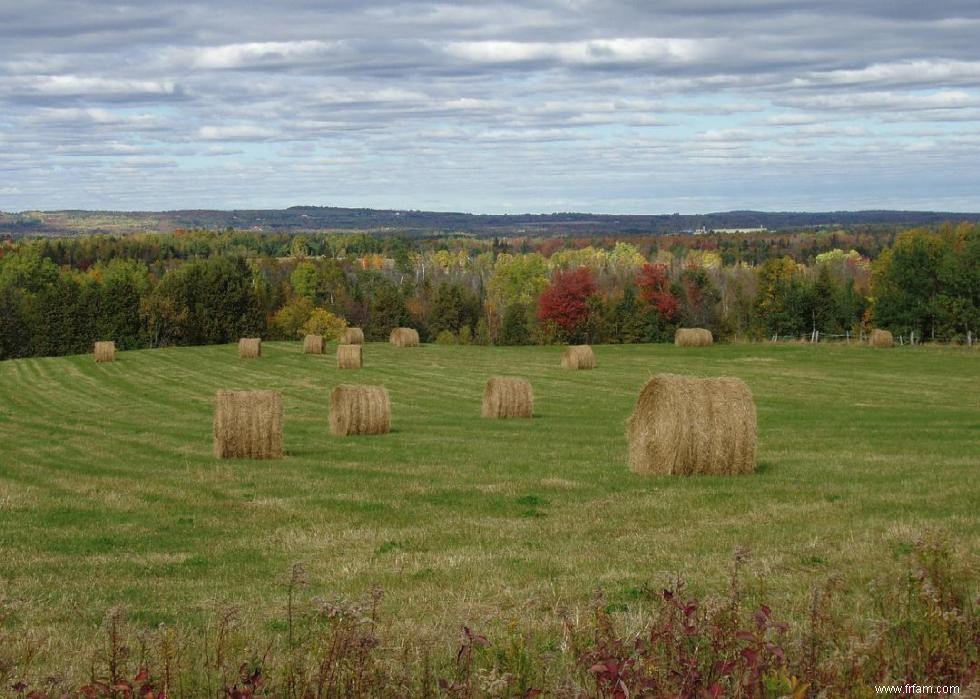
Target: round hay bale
349,356
404,337
683,425
313,344
105,351
358,409
508,396
352,336
578,357
250,347
881,338
693,337
248,424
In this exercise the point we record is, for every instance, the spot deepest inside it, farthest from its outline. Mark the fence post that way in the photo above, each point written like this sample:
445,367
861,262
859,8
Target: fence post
847,334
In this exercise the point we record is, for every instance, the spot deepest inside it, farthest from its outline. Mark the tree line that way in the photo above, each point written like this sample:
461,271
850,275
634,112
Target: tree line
59,296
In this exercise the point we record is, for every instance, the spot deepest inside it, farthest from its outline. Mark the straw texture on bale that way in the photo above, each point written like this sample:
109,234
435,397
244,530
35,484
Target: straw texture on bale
248,424
352,336
404,337
578,357
881,338
683,425
349,356
508,396
693,337
313,344
250,347
356,409
105,351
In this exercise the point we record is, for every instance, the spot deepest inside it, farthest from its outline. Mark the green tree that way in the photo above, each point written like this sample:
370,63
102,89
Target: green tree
628,320
515,328
446,311
305,281
300,247
323,322
823,307
905,282
15,323
957,306
778,296
518,279
118,318
387,311
57,326
27,270
289,320
209,301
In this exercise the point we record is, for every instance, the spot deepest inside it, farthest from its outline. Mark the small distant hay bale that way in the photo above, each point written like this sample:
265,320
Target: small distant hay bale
313,344
349,356
578,357
693,337
105,351
881,338
250,347
404,337
248,425
352,336
356,409
683,425
508,396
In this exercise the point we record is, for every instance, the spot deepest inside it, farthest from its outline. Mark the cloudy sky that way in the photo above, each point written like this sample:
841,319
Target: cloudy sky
630,106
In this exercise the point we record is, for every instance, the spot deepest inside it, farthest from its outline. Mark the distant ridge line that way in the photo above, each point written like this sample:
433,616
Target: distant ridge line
416,222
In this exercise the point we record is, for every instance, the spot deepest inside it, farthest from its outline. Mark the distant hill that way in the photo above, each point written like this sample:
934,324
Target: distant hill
413,223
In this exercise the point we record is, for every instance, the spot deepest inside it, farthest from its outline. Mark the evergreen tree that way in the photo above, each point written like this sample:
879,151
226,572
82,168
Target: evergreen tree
15,323
387,311
628,321
515,328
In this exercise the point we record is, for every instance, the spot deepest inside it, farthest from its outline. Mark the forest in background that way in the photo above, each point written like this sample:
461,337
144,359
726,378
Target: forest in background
190,287
414,223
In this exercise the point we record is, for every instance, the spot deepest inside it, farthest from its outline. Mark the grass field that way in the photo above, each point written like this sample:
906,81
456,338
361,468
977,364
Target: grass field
109,492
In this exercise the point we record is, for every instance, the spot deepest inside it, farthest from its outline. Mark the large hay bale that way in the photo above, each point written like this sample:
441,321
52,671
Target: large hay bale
881,338
693,337
250,347
105,351
352,336
508,396
313,344
248,424
349,356
578,357
358,409
404,337
683,425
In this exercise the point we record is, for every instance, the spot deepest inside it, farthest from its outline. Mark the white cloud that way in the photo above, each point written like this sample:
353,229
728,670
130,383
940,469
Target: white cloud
888,101
251,54
899,73
594,51
235,132
86,86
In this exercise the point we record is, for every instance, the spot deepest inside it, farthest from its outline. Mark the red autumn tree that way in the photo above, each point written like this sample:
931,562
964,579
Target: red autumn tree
565,301
654,288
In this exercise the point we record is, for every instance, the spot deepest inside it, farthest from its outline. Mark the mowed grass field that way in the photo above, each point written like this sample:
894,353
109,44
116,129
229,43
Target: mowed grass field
109,493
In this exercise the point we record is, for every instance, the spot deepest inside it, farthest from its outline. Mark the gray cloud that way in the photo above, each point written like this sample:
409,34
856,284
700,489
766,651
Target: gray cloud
541,105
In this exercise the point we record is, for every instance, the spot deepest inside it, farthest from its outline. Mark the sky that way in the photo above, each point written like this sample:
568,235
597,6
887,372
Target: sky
604,106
